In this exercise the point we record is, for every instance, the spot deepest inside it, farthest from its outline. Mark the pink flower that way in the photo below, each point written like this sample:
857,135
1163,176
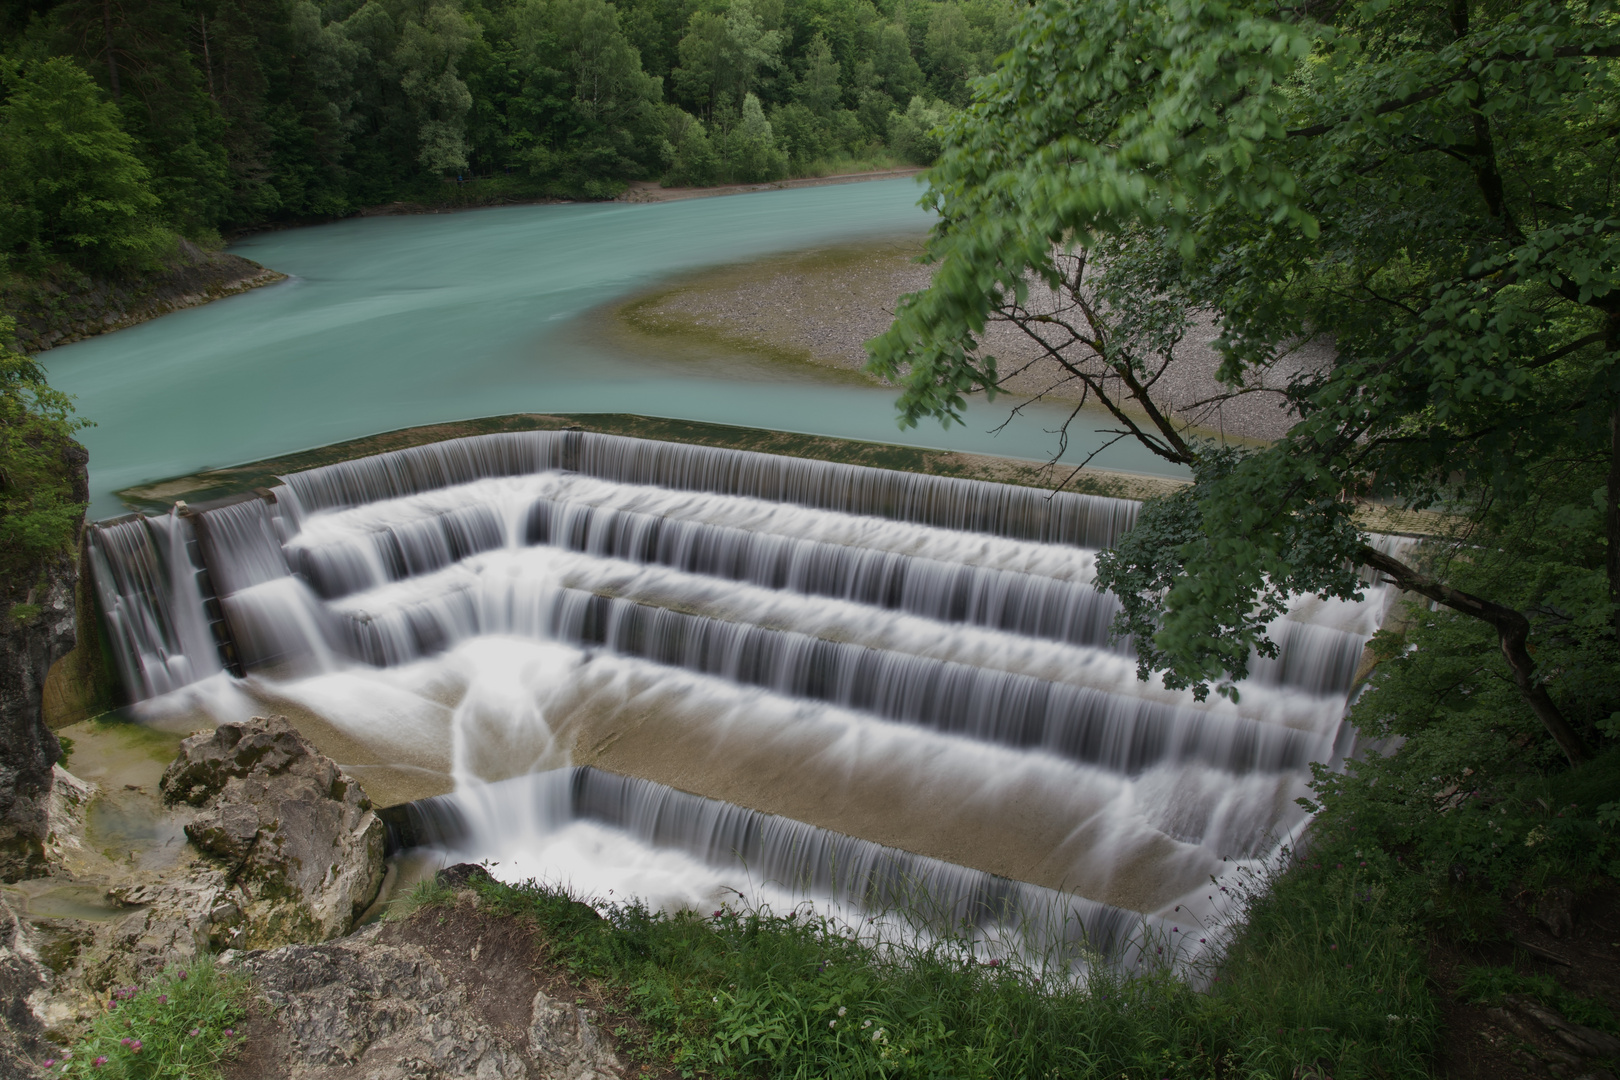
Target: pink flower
230,1032
50,1063
125,1041
135,1047
100,1061
163,999
196,1032
1333,948
181,974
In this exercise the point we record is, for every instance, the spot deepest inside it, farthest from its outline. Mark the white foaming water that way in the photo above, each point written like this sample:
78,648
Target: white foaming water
848,667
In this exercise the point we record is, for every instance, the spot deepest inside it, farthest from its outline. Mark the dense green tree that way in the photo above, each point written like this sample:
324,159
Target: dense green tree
723,56
1427,186
39,515
71,186
248,111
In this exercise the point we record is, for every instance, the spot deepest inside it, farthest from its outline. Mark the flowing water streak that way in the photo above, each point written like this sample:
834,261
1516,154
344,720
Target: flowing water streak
148,584
786,860
1124,732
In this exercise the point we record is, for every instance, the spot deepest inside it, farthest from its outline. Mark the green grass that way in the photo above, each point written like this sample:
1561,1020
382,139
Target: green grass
179,1026
1316,977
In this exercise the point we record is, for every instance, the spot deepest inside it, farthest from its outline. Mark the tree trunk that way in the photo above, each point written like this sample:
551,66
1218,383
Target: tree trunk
112,58
1513,633
1612,530
208,60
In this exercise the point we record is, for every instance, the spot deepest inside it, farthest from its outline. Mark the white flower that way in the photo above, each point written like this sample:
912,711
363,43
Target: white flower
832,1023
1392,1018
866,1023
842,1010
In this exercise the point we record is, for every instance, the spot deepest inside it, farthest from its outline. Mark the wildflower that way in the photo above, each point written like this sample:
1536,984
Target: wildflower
100,1061
866,1023
124,1041
135,1047
717,915
196,1032
163,999
842,1009
995,963
1200,941
230,1033
181,975
1333,948
1175,929
50,1063
832,1023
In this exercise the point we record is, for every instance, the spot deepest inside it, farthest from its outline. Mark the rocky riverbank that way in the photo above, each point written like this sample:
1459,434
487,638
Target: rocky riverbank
65,307
250,839
821,307
255,847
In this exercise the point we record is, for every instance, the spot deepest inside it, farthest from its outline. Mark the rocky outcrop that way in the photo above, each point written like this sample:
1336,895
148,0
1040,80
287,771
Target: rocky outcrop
287,830
68,307
1551,1044
37,628
390,1011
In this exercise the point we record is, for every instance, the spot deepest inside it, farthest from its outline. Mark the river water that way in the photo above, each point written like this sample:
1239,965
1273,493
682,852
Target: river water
392,322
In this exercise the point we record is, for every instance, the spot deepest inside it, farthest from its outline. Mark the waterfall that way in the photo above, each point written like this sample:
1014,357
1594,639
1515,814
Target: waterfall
786,860
852,683
150,583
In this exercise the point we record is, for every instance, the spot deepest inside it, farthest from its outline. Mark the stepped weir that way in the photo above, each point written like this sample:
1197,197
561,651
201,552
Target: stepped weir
669,669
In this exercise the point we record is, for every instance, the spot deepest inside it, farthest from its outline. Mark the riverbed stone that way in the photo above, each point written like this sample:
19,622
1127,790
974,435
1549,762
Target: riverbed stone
293,835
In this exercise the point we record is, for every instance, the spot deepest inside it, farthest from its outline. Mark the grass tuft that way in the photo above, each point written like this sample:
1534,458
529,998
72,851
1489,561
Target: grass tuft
179,1026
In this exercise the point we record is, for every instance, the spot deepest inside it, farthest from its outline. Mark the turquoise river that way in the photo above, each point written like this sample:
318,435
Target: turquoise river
391,322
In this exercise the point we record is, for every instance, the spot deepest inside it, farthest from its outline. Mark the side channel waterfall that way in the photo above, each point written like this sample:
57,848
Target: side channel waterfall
683,673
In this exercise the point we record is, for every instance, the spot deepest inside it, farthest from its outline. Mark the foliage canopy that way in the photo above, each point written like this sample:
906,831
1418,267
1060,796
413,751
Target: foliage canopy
1427,186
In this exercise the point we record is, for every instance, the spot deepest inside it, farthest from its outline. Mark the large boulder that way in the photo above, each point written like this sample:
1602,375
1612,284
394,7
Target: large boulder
293,835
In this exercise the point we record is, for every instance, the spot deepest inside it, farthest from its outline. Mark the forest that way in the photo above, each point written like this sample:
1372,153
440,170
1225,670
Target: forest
125,122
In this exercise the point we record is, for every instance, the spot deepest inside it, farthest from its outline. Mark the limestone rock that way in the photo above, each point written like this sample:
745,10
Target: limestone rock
23,981
293,833
565,1042
362,1007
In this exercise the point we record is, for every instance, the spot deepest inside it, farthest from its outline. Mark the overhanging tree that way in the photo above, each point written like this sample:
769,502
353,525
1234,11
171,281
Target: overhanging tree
1428,185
